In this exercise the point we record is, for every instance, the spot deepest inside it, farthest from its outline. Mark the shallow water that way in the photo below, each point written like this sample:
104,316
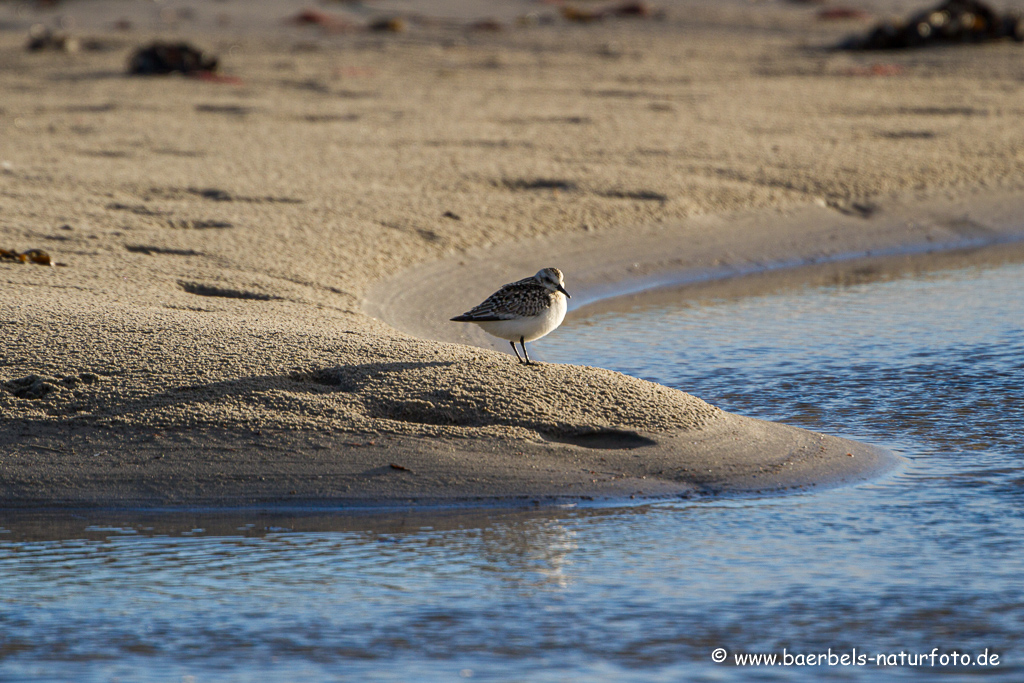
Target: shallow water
927,558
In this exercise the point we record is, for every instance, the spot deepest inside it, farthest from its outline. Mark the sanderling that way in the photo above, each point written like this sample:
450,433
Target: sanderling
522,311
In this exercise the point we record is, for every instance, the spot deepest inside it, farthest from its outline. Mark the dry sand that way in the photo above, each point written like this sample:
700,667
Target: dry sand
255,276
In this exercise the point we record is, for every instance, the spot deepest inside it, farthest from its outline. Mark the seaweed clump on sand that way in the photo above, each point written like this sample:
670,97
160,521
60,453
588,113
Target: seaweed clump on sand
952,22
31,256
161,58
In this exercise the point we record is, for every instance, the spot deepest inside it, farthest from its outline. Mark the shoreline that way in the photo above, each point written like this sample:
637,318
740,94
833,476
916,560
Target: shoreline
925,241
737,457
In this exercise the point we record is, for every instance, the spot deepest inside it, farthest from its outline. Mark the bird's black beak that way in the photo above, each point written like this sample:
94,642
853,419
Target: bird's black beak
562,290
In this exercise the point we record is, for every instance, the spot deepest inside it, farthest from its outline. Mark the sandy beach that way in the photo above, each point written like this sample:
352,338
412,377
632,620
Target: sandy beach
254,273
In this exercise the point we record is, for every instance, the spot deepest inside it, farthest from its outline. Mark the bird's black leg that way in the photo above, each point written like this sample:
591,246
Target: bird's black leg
522,343
517,351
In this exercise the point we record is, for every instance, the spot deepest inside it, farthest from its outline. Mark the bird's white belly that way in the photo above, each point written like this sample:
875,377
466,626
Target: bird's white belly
530,328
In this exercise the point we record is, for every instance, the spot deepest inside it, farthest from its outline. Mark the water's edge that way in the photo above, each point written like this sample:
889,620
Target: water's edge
601,264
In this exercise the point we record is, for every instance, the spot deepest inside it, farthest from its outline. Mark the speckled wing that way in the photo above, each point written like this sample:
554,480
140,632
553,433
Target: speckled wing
523,299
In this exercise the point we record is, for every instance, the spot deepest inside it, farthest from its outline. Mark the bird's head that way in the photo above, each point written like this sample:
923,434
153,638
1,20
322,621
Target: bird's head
552,279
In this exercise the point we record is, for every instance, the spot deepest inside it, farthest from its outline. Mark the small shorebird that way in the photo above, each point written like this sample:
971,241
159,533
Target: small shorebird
522,311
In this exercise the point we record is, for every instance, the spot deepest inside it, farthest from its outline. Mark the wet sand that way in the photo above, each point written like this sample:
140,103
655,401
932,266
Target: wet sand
251,273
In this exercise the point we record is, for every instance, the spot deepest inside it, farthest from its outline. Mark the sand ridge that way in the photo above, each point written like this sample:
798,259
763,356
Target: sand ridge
210,335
